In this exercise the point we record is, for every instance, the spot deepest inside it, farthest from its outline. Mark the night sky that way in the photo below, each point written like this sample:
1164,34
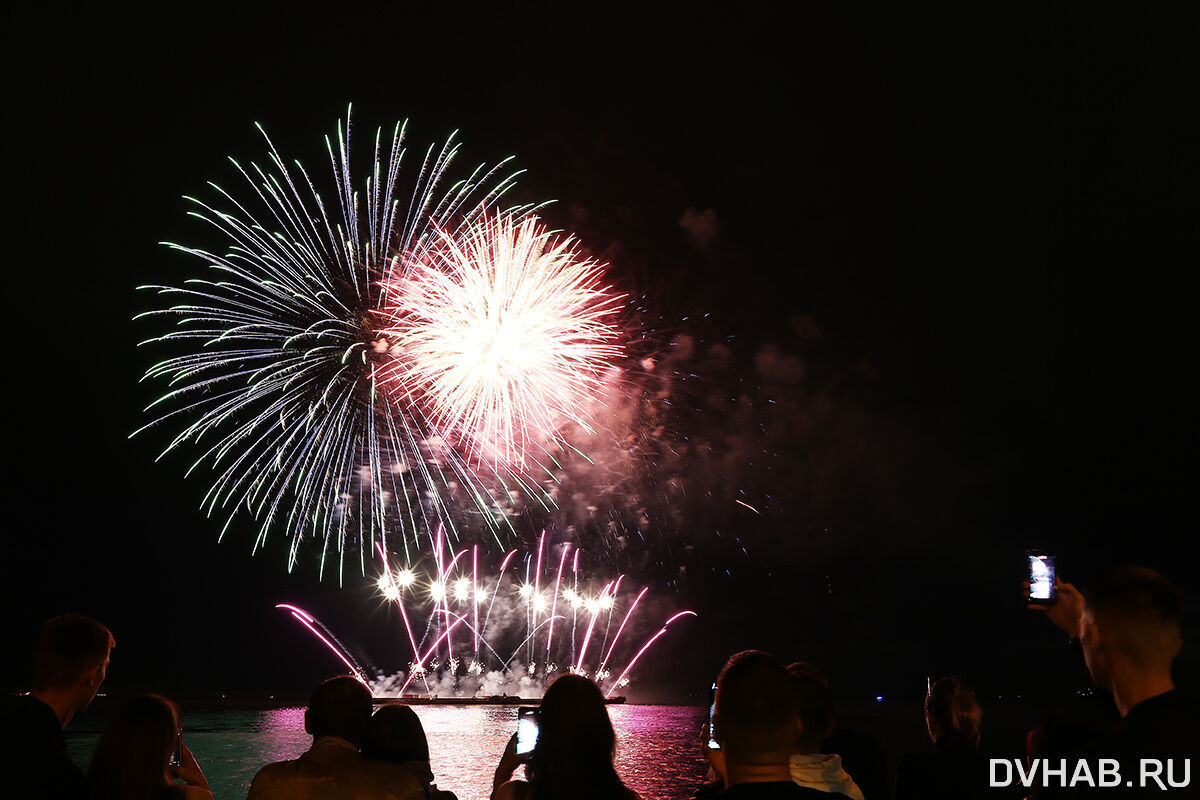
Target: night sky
923,278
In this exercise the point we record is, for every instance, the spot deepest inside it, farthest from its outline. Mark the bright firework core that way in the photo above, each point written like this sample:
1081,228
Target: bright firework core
462,594
449,603
452,651
503,333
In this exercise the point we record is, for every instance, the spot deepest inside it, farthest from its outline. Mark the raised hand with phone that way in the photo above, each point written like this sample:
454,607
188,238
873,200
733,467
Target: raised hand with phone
139,725
519,749
188,769
1129,625
1045,591
567,744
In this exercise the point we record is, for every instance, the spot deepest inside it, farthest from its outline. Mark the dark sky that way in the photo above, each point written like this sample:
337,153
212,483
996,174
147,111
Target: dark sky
949,284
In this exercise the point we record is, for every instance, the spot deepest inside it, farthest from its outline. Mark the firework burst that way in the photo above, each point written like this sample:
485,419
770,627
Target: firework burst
472,631
279,385
506,335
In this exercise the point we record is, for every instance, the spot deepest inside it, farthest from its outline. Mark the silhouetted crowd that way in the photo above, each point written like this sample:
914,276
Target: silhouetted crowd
774,732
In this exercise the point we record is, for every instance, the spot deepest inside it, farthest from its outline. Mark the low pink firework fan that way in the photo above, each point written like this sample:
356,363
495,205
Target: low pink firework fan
502,335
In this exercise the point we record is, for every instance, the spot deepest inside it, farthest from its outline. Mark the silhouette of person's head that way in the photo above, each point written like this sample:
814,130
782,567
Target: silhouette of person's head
816,705
339,707
755,719
1132,617
815,711
395,734
70,659
575,743
800,669
132,755
952,714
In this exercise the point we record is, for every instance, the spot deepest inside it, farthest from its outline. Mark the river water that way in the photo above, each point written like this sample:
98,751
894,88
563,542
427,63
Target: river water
658,752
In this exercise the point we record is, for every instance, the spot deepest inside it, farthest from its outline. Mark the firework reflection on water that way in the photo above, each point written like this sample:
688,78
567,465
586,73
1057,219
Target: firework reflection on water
656,745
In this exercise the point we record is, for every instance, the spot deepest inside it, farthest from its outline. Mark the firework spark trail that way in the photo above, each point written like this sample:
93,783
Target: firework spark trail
462,619
537,575
574,602
527,593
444,580
529,637
537,586
280,370
496,590
608,619
554,600
617,638
442,621
437,589
646,647
307,620
454,561
432,649
445,594
399,598
587,637
475,594
504,332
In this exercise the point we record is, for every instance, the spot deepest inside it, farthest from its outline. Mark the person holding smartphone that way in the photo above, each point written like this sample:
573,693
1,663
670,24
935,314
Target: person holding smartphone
134,755
1129,623
572,750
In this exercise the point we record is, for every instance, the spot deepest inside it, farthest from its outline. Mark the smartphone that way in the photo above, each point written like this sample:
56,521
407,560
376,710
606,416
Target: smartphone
713,744
1041,578
527,730
177,754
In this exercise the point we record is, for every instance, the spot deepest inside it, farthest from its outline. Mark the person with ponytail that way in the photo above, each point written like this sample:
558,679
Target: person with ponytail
955,770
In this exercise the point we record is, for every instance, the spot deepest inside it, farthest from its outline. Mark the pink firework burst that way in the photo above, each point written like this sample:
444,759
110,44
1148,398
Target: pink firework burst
502,334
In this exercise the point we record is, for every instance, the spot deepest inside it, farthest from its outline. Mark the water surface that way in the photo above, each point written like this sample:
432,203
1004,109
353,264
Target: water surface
658,754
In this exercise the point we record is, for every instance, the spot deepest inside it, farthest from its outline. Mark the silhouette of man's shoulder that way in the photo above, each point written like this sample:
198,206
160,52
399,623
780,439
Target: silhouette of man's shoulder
1164,726
33,753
